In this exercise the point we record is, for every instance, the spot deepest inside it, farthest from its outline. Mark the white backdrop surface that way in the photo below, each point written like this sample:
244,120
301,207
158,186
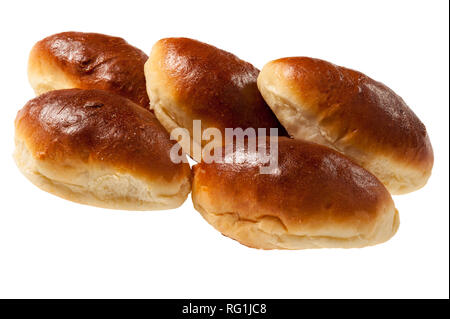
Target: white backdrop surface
50,247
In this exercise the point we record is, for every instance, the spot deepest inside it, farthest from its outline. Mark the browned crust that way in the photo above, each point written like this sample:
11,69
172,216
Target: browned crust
97,61
97,127
314,187
350,104
212,85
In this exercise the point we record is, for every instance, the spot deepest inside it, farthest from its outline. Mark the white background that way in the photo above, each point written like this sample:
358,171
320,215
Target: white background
50,247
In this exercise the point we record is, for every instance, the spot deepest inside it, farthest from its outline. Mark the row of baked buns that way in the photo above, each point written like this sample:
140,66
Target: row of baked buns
99,133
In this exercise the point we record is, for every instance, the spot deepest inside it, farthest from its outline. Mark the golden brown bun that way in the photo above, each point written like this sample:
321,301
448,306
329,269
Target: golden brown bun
189,80
348,111
98,148
316,198
88,61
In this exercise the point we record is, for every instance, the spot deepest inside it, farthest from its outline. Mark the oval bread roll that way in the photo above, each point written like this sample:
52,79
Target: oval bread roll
189,80
88,61
94,147
315,198
353,114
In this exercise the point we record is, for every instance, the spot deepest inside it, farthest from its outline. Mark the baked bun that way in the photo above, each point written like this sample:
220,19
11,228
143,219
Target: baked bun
88,61
353,114
314,198
94,147
189,80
